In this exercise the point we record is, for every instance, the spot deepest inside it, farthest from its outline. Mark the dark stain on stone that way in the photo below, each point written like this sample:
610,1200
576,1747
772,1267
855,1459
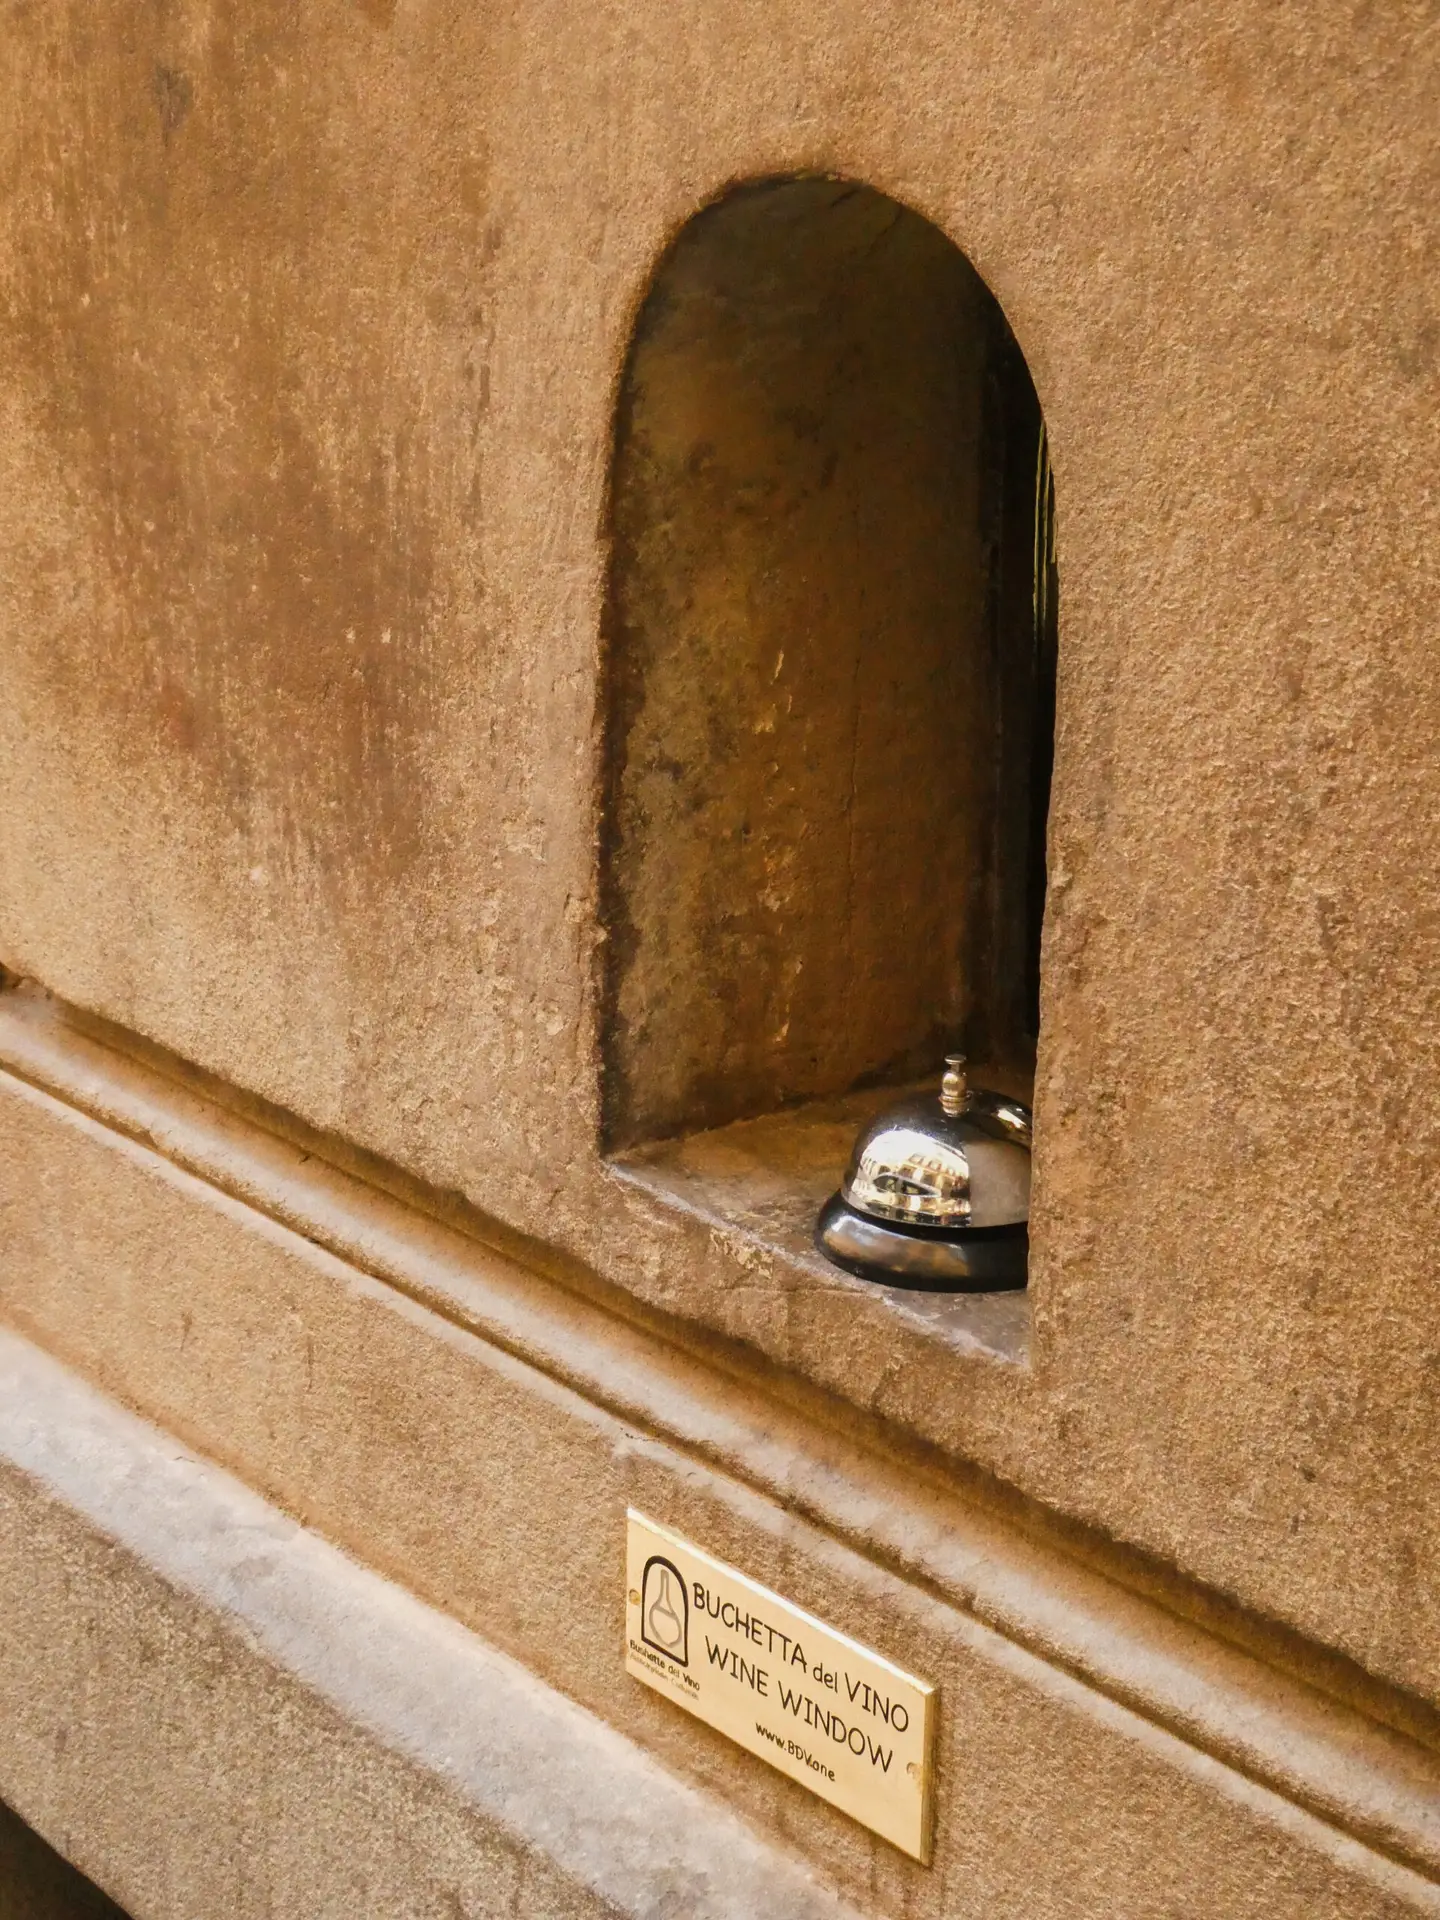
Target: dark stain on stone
174,96
1417,355
258,519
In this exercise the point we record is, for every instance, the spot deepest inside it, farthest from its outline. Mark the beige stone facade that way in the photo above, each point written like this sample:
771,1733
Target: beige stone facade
432,1010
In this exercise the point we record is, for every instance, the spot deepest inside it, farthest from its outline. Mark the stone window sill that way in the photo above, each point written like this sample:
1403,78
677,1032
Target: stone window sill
767,1178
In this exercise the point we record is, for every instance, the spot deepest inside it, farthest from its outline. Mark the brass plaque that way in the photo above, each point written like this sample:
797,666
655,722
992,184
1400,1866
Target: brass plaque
823,1709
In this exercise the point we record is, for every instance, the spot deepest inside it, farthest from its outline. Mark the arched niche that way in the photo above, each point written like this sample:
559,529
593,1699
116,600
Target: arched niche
830,659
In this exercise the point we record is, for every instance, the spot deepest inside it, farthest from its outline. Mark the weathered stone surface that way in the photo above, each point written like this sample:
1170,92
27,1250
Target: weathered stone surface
336,1747
313,327
478,1432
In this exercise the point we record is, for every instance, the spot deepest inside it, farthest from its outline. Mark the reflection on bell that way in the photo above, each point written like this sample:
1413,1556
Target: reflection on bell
937,1193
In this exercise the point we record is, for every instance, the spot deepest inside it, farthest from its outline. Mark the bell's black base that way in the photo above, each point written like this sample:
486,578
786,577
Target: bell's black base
925,1259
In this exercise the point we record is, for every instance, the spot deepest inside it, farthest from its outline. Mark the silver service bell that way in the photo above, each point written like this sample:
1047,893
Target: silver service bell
937,1193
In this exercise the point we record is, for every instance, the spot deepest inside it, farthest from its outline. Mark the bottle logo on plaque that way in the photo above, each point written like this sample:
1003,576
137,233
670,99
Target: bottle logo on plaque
834,1715
665,1610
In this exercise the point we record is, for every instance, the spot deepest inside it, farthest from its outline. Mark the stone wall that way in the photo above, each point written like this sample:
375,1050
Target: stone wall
315,329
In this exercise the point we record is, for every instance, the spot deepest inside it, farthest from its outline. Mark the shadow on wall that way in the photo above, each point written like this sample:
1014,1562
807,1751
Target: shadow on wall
36,1883
830,667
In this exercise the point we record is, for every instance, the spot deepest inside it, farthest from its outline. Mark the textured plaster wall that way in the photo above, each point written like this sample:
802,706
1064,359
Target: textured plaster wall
312,326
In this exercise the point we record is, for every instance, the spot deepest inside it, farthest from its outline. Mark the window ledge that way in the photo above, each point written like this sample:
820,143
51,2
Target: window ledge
766,1179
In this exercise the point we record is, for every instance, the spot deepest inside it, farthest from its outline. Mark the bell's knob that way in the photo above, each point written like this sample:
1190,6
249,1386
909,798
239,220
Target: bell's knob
937,1193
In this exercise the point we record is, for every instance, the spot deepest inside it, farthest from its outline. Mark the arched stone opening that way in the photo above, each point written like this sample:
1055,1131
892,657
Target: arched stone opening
830,668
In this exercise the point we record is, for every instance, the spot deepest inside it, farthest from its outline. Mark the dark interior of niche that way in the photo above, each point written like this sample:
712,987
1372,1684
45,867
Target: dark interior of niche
37,1883
829,666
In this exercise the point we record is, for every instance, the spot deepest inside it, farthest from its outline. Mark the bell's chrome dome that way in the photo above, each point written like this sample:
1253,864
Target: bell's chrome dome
959,1160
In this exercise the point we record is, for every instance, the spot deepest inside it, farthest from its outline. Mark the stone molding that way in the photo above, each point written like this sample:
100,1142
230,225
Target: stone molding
408,1767
1366,1791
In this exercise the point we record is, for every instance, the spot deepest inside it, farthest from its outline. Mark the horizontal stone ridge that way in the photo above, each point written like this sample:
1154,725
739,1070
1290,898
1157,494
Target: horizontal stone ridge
1358,1776
530,1770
